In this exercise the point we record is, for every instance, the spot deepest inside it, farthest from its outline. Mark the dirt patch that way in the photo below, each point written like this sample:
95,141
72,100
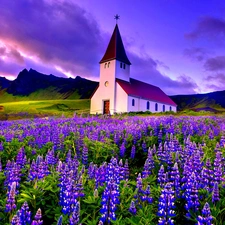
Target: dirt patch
1,108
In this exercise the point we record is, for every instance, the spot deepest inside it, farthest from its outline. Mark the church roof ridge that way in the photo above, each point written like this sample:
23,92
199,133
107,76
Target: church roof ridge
115,49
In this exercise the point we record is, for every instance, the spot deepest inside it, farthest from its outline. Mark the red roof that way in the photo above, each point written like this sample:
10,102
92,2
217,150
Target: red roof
115,49
143,90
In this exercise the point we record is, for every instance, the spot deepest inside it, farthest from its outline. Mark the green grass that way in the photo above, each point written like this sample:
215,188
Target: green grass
50,93
17,110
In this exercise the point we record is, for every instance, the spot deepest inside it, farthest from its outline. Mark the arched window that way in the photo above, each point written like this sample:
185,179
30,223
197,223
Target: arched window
170,108
121,65
156,107
133,102
124,66
164,108
148,106
108,64
105,65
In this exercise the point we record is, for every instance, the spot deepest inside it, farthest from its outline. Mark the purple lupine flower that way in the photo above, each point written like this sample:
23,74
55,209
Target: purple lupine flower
85,155
10,202
133,150
110,196
121,170
146,195
15,220
24,214
144,146
132,208
37,218
215,193
160,136
91,170
21,158
122,149
206,217
50,158
166,206
149,164
75,216
0,165
126,170
162,176
218,168
175,179
191,195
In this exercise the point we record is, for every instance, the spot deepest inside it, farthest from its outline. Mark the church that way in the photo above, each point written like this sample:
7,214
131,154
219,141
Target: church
117,92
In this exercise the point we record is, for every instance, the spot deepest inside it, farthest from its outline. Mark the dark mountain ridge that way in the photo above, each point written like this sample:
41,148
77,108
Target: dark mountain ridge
208,102
28,82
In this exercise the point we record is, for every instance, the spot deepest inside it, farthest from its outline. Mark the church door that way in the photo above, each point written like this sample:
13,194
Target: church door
106,107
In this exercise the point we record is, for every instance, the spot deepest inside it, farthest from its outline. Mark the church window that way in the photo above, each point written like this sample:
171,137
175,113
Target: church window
108,64
124,65
133,102
105,65
164,108
170,108
121,65
156,107
148,105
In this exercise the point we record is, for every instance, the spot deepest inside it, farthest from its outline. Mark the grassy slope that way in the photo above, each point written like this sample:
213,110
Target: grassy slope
50,93
16,110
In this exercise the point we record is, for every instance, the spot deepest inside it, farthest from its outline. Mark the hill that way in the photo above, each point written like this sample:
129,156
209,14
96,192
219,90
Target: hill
214,101
32,85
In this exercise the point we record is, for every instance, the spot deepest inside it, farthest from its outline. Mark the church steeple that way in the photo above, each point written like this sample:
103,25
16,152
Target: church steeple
115,49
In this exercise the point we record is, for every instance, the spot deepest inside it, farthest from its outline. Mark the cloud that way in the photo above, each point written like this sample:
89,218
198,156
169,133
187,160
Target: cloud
215,82
215,64
57,33
196,53
219,78
146,70
210,27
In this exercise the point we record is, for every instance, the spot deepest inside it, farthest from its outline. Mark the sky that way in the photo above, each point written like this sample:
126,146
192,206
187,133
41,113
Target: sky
177,45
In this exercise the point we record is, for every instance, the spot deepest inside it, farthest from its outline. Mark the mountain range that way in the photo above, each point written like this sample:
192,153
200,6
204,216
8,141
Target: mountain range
32,85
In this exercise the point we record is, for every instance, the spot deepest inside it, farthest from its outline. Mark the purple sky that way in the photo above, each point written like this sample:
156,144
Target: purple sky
178,45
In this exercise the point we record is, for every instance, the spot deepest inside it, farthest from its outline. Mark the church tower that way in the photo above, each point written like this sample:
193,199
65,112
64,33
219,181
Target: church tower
114,64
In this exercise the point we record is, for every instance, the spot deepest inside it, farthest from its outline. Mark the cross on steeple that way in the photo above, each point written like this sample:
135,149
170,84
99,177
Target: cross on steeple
116,17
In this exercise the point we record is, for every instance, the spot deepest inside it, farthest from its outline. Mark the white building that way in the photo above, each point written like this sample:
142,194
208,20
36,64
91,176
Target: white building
117,92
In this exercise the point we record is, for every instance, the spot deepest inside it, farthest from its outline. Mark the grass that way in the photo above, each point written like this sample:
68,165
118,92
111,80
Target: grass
21,109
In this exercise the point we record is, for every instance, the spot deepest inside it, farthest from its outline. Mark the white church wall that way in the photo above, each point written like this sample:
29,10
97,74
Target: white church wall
121,99
122,71
133,107
141,105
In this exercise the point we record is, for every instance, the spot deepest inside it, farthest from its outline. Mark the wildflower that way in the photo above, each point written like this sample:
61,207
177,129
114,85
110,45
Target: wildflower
75,217
132,154
10,205
37,218
206,218
132,208
215,193
166,206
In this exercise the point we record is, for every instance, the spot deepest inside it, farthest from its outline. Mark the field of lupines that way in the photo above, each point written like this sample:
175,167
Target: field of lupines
104,170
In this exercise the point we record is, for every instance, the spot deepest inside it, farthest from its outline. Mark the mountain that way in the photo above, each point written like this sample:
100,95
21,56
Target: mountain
214,101
4,83
32,85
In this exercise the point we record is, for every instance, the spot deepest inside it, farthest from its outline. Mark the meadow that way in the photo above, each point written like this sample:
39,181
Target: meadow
41,108
97,170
